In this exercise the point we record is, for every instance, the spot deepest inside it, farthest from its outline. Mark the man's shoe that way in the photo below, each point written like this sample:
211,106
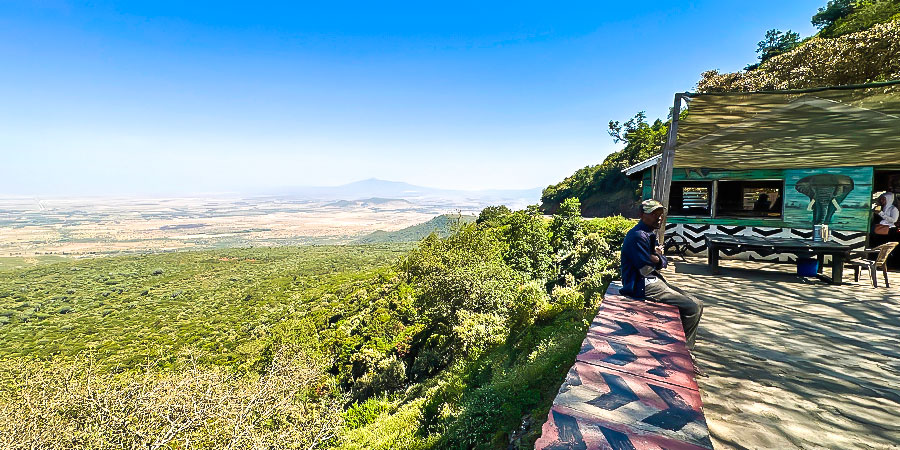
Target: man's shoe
697,370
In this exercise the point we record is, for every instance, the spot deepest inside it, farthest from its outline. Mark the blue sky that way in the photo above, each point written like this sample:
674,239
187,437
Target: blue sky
191,97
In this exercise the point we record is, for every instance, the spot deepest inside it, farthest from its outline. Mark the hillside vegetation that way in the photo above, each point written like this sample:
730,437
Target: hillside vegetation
460,342
603,189
442,225
861,57
859,42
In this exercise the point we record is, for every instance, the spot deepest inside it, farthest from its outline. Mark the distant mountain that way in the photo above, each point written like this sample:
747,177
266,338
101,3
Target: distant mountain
374,189
374,201
442,225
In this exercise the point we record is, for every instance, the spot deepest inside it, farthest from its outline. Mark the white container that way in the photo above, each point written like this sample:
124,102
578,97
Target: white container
821,233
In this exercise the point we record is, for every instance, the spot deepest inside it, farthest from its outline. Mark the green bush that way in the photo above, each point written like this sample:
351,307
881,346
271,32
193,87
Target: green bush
464,272
493,216
432,350
530,304
611,229
478,332
567,298
527,244
861,16
483,413
566,225
387,375
361,414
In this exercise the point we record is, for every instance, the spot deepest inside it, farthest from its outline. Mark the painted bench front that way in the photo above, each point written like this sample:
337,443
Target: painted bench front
632,385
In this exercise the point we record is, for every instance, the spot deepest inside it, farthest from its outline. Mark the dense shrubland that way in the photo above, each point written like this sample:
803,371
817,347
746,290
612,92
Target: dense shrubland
292,404
858,42
460,342
861,57
495,313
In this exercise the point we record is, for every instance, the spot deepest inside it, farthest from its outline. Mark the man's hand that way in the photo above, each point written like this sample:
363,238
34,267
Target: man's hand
658,251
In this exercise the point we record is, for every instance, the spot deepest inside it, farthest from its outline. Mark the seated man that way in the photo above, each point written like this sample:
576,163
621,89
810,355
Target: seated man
762,203
642,258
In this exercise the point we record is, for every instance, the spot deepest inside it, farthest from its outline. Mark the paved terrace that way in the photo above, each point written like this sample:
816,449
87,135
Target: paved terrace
795,363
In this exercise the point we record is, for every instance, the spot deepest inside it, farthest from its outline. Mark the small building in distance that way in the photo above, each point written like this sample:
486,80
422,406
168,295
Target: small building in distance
775,164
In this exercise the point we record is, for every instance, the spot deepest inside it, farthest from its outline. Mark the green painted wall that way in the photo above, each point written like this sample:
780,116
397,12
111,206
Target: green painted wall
647,185
854,214
706,174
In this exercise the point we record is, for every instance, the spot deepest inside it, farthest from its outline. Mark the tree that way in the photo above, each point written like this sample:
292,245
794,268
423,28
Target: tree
622,132
864,15
464,272
492,215
642,139
566,225
777,42
528,247
832,12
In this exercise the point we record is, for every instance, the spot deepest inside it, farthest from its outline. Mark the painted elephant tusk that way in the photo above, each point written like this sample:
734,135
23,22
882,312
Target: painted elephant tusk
837,207
811,203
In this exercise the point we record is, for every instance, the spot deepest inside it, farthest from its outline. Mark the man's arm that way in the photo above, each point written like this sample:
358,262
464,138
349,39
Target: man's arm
658,252
892,214
640,250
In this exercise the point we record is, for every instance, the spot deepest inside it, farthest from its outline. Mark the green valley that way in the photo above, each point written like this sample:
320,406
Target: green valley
454,342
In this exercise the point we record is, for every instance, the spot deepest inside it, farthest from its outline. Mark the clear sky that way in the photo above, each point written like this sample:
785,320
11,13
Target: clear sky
183,97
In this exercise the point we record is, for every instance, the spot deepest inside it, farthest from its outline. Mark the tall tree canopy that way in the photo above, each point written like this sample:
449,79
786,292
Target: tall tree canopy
841,17
777,42
832,12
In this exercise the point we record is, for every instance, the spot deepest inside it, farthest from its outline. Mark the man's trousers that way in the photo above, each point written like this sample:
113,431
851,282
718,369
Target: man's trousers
690,307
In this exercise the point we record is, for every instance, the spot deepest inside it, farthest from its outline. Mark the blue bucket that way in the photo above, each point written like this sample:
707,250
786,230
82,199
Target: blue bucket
807,267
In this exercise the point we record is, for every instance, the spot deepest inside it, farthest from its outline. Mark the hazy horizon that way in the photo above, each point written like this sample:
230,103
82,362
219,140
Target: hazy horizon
250,192
168,98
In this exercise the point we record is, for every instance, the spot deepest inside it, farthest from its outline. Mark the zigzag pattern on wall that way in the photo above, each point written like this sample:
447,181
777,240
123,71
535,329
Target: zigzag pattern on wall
694,236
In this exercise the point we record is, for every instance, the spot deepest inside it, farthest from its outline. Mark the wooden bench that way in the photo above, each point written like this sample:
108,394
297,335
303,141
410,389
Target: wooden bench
632,385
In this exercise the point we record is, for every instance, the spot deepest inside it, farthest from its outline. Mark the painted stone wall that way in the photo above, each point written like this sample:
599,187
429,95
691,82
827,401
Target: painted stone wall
847,215
849,187
694,236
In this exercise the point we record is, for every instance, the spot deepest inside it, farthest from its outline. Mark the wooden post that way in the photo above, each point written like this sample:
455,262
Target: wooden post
663,182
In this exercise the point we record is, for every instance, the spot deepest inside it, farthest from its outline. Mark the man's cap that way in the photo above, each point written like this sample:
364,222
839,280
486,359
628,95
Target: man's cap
648,206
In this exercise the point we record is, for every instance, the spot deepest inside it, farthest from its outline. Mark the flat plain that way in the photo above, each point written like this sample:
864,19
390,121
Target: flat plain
32,229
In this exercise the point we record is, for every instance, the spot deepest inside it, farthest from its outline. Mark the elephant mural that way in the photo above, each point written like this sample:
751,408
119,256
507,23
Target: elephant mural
825,192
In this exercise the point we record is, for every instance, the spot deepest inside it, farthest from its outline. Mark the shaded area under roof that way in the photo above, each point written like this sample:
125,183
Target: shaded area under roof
834,127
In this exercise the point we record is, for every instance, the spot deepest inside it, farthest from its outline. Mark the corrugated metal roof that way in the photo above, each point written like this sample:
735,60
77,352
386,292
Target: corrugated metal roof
641,166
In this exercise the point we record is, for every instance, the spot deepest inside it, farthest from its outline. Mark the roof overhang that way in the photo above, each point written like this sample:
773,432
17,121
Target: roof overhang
641,166
825,128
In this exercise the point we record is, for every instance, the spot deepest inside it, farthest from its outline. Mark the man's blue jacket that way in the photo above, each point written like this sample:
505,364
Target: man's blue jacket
636,252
